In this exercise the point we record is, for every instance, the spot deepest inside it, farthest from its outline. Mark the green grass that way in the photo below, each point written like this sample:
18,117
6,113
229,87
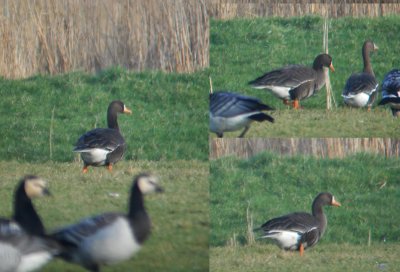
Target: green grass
179,239
367,186
332,257
169,120
243,49
269,185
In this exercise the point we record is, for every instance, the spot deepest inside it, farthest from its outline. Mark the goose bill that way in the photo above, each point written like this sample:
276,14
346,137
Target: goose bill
127,110
335,203
331,68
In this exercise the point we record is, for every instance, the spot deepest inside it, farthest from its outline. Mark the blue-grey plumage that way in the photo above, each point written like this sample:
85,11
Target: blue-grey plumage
231,111
24,245
391,91
110,237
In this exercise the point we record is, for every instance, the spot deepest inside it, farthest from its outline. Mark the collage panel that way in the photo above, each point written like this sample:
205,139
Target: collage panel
284,204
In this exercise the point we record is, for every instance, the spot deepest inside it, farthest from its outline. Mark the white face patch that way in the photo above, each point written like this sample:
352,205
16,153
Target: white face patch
148,184
35,187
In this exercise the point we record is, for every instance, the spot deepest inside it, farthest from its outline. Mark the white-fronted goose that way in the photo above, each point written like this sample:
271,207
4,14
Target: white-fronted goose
295,82
231,111
103,146
299,230
361,89
391,91
110,237
23,243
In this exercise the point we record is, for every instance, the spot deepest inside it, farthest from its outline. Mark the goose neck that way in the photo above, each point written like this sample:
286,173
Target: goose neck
25,214
112,121
367,61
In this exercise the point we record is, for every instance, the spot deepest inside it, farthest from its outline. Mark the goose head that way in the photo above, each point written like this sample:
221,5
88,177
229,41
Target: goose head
34,186
148,183
323,60
116,107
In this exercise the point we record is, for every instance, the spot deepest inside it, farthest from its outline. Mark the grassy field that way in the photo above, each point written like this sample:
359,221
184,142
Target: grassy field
243,49
269,185
333,257
179,240
43,116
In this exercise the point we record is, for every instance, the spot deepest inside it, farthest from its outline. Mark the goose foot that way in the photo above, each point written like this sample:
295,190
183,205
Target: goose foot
296,104
85,169
301,249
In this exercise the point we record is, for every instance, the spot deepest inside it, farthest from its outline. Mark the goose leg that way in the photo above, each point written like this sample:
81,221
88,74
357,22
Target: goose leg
296,104
109,167
85,169
301,249
286,102
244,131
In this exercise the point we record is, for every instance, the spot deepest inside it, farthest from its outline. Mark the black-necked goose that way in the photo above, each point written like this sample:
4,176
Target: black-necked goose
361,89
103,146
295,82
231,111
299,230
110,237
391,91
23,243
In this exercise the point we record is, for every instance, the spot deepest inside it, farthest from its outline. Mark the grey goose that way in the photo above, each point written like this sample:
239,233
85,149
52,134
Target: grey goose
299,230
391,91
231,111
295,82
361,89
103,146
110,237
24,245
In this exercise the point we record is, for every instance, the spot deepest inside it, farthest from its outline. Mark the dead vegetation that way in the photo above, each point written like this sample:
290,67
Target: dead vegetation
52,36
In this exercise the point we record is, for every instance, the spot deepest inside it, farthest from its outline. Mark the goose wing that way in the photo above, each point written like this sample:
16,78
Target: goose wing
391,83
76,233
297,222
13,235
358,83
226,104
103,138
289,76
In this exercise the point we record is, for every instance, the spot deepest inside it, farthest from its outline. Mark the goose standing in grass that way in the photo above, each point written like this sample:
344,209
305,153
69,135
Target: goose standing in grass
232,111
103,146
295,82
391,91
23,243
110,237
361,89
299,230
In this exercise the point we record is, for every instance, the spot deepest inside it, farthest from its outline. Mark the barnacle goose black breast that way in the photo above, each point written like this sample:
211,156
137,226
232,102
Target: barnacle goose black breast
24,245
110,237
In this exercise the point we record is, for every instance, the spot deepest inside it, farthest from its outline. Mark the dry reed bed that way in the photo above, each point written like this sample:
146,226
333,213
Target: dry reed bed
318,147
52,36
227,9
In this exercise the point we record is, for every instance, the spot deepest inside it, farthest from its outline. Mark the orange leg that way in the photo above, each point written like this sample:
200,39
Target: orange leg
301,249
85,169
296,104
109,167
286,102
369,109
